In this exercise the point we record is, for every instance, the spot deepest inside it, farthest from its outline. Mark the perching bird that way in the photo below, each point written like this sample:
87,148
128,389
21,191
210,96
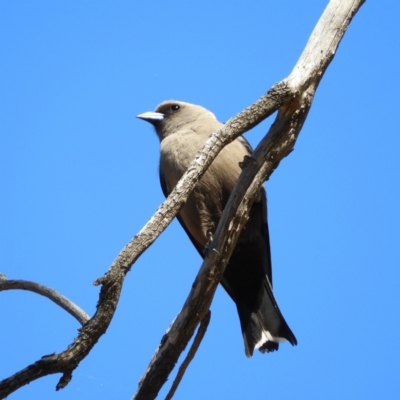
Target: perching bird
183,129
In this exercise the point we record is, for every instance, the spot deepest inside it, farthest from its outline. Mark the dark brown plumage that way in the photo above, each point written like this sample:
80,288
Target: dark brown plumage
183,129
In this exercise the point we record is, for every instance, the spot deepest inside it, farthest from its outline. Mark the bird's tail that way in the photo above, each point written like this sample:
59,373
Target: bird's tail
264,327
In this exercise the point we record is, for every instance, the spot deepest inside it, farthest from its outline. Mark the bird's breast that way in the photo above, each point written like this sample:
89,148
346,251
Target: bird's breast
204,206
177,151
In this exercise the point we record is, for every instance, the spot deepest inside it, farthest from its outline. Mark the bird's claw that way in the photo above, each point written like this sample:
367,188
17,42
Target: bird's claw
247,160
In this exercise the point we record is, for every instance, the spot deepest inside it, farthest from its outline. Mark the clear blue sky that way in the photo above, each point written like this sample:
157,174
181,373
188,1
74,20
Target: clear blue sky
78,175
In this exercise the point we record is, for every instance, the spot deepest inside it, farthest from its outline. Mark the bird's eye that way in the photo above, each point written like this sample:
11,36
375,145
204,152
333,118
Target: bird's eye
175,107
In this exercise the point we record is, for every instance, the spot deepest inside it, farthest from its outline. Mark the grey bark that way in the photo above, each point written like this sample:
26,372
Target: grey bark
292,98
45,291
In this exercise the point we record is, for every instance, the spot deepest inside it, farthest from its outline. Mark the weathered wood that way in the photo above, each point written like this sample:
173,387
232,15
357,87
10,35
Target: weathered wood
292,97
45,291
295,95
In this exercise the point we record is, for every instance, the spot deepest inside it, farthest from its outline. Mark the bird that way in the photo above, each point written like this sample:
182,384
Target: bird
183,129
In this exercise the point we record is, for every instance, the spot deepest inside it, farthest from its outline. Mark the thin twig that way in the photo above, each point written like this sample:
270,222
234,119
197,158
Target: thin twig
192,352
56,297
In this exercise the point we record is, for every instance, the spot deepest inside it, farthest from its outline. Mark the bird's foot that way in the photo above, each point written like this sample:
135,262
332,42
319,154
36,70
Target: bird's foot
247,160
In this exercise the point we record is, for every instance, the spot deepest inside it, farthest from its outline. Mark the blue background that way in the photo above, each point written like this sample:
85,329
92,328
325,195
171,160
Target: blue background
79,178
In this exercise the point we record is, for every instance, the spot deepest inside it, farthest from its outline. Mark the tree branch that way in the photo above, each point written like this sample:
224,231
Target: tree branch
298,92
66,361
192,352
50,293
293,98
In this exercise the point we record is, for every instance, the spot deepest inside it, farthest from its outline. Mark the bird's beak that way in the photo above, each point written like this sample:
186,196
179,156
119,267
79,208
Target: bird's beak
151,116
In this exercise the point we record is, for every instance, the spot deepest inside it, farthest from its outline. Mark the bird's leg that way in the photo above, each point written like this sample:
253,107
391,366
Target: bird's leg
246,161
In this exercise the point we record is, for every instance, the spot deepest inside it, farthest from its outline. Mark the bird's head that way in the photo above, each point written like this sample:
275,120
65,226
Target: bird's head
172,115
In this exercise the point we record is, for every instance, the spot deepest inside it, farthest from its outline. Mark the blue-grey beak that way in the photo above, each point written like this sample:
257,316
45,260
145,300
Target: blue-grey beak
151,116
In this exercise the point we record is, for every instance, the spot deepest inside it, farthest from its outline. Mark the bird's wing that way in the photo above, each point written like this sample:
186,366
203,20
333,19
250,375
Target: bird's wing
260,211
245,144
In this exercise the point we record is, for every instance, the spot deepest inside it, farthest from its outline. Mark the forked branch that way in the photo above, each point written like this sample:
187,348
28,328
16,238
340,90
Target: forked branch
292,97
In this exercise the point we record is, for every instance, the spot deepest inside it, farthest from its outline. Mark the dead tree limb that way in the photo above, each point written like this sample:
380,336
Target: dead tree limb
292,97
111,283
50,293
295,95
192,352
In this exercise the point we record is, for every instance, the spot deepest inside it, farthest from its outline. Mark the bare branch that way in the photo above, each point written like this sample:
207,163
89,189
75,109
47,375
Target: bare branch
192,352
66,361
50,293
299,90
293,98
